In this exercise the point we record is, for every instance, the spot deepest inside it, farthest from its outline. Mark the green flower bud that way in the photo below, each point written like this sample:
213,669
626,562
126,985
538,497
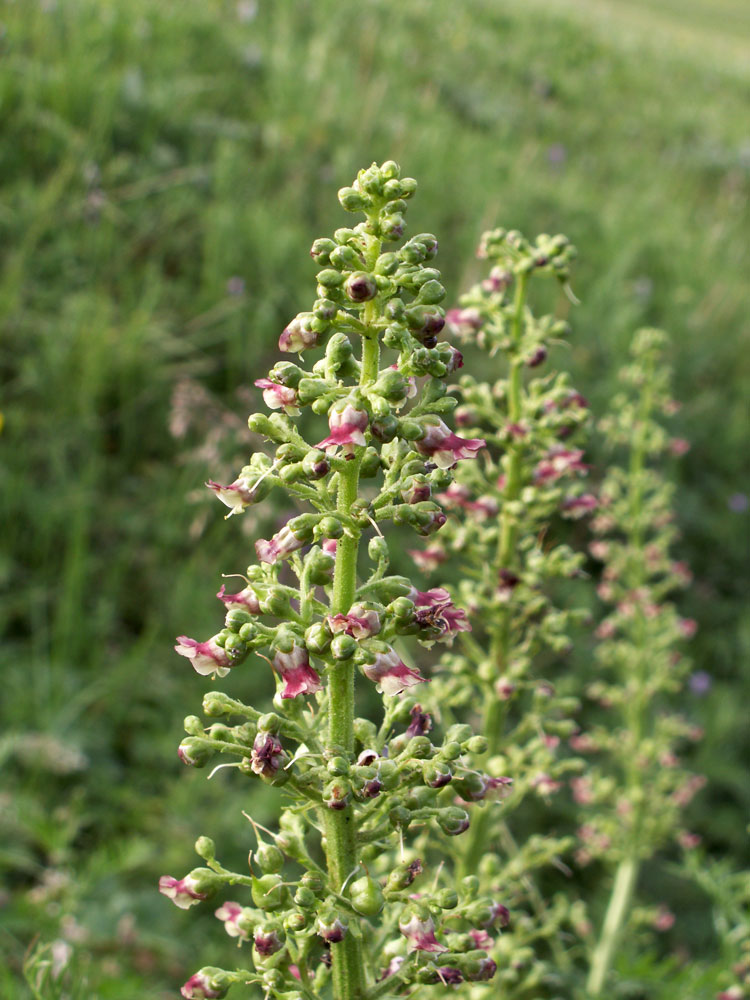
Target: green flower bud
366,896
312,881
205,848
193,725
453,820
194,752
431,293
331,527
477,745
321,250
205,881
352,200
270,859
315,464
344,235
338,766
386,428
399,817
387,264
236,618
296,922
402,610
274,602
370,465
447,899
420,797
343,647
460,733
377,549
310,389
410,430
329,278
403,875
216,703
470,885
317,638
408,187
269,723
392,227
395,310
268,892
325,309
249,632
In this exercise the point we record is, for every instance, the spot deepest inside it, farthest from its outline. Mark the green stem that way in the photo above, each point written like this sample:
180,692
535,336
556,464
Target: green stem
635,711
340,825
619,904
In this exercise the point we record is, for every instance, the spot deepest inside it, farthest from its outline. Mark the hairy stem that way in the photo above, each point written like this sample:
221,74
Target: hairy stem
340,825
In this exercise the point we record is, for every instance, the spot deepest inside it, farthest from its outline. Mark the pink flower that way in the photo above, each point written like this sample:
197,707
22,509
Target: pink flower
267,755
444,447
577,506
664,919
428,559
245,600
390,674
267,942
436,612
237,495
347,425
420,933
282,544
229,913
298,336
688,627
278,397
481,939
679,446
202,986
206,657
463,322
298,676
183,892
559,462
329,546
421,722
360,622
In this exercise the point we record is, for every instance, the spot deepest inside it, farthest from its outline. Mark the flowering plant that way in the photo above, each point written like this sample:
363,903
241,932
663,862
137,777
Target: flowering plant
336,901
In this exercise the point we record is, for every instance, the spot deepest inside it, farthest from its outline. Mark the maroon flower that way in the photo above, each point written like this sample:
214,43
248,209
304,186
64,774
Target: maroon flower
229,913
298,336
428,559
206,657
421,722
279,397
267,941
463,322
436,612
237,495
183,892
444,447
245,600
267,755
390,674
298,676
360,622
420,933
580,505
559,462
282,544
202,986
347,425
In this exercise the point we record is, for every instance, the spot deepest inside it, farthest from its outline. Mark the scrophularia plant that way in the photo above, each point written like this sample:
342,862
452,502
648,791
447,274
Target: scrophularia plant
632,794
336,902
501,507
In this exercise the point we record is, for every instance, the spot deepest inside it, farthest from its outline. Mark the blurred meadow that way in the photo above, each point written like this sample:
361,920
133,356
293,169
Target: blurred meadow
165,166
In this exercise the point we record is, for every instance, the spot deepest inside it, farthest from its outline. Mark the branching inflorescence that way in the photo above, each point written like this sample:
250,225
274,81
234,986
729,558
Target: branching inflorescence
330,907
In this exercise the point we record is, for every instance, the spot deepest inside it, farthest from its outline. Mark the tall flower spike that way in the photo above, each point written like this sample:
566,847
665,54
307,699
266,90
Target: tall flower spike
357,790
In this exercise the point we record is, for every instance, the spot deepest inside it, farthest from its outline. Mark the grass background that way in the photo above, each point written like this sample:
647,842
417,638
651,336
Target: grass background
164,168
